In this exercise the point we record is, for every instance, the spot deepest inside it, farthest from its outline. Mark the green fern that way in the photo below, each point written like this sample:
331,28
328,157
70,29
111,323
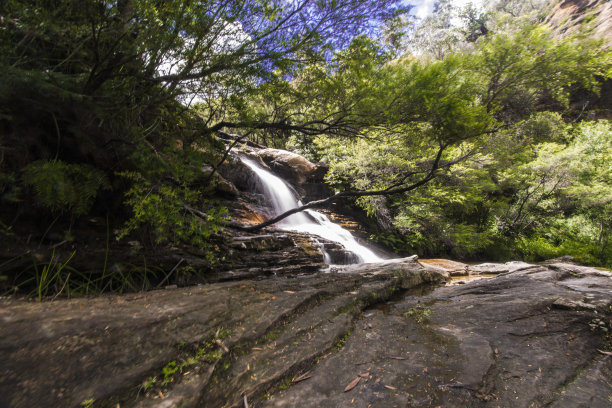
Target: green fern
64,187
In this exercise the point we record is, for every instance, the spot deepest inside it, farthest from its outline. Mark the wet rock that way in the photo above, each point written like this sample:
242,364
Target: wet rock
226,188
391,265
273,253
335,253
239,174
261,242
305,177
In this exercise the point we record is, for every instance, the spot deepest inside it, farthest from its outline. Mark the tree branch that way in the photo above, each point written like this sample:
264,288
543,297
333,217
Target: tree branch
228,149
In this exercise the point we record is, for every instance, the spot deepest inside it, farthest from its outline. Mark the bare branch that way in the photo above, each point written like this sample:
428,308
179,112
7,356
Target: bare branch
240,139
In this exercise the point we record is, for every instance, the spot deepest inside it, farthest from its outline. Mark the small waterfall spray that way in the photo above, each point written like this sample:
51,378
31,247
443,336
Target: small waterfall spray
308,221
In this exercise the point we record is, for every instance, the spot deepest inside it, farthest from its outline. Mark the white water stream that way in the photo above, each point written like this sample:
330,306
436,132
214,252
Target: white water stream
307,221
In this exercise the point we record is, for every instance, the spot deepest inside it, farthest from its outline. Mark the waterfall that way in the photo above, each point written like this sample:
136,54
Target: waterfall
308,221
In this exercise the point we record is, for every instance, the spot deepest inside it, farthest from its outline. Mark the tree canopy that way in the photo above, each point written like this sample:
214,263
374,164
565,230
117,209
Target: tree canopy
110,83
467,140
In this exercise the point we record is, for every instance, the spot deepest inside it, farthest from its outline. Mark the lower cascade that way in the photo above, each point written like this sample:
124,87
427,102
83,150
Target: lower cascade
282,198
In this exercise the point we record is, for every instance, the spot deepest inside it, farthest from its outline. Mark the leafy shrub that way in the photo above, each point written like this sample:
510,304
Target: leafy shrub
537,248
544,127
167,211
468,242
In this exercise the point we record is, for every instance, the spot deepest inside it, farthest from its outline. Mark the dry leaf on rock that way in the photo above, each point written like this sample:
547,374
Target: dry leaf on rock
353,384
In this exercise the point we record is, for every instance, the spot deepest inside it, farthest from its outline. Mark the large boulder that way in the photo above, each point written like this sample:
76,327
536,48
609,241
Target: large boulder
239,174
291,166
531,338
306,177
222,187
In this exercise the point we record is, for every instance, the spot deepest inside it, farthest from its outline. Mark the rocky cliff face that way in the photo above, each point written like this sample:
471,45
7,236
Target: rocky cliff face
569,15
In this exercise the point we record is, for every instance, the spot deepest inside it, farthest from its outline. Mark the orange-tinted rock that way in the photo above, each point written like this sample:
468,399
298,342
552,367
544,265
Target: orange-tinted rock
568,16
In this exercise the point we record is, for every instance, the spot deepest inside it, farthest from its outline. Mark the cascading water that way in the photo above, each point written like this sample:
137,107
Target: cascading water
307,221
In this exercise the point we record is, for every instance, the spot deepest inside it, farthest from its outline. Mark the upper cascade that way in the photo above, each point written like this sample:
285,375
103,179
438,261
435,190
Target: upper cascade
282,199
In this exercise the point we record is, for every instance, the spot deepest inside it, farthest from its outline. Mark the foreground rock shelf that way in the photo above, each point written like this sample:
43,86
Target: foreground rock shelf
534,336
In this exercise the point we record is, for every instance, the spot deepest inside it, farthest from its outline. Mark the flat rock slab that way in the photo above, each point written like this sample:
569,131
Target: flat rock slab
455,268
378,335
198,346
523,339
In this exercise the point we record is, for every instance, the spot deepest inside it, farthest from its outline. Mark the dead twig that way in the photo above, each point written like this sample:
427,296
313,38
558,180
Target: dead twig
170,273
301,378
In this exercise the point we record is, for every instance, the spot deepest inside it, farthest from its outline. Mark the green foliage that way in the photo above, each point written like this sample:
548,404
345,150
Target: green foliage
541,127
405,242
509,171
468,242
149,383
436,36
420,314
518,69
55,277
88,403
342,342
112,84
583,203
168,373
167,210
51,275
141,88
537,248
285,384
63,187
10,189
40,279
209,352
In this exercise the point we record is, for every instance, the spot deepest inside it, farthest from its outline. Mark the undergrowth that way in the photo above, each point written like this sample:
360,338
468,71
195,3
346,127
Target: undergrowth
55,277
